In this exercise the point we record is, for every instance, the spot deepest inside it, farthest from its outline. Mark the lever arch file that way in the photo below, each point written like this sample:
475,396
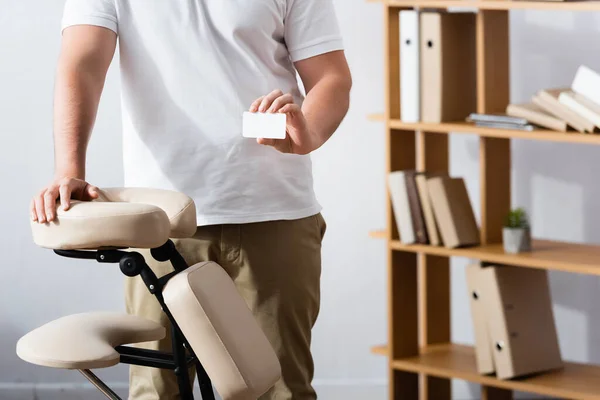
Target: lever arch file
483,343
410,80
448,70
520,320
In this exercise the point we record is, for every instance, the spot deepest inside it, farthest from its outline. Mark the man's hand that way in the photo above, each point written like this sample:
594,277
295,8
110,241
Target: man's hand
299,139
43,206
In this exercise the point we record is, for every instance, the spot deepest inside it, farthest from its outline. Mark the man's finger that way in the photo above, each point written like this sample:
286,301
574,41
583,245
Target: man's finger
266,102
92,191
280,102
32,210
289,109
256,104
39,207
50,203
282,145
65,196
267,142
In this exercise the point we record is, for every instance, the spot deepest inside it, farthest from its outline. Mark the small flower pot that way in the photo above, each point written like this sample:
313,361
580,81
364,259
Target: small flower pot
516,240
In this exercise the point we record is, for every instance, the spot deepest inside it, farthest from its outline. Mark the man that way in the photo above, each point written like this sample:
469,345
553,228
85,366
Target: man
189,68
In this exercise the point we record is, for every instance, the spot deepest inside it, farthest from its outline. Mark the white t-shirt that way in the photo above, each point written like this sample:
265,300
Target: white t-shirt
189,69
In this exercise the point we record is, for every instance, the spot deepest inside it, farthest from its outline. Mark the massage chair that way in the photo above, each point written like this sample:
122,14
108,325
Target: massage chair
212,328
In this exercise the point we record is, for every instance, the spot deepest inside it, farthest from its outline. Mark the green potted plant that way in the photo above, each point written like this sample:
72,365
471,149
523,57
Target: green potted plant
516,234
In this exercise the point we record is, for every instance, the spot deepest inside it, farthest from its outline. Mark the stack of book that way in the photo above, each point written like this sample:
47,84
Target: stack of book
500,121
513,321
577,107
432,209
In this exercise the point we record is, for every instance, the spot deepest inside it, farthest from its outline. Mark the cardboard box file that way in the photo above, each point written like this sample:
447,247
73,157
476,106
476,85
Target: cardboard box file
448,69
483,342
520,320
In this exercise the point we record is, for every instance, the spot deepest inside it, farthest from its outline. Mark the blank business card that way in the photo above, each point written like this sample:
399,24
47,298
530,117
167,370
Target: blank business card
264,125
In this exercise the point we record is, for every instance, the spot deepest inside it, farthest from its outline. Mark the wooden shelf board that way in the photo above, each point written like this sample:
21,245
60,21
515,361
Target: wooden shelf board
545,254
495,4
456,361
469,128
376,117
380,350
381,234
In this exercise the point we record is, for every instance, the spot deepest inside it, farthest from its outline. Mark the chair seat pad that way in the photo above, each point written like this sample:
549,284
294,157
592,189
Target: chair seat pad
121,217
86,341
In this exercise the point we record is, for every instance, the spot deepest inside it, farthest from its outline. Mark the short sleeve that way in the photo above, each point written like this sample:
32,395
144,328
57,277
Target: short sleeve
311,29
90,12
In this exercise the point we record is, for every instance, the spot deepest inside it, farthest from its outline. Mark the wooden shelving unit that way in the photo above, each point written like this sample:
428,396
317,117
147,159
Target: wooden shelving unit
422,359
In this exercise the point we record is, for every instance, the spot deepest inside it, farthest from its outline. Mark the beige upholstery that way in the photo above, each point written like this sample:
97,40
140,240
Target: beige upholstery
180,209
125,217
222,332
85,341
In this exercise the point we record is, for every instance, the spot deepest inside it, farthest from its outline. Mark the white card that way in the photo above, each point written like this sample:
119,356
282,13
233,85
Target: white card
264,125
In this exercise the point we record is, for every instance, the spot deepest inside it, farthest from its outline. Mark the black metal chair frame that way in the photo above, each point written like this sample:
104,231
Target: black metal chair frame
182,357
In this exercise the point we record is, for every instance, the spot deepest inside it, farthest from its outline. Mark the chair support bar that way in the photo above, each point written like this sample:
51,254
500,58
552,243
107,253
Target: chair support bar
88,255
101,386
150,358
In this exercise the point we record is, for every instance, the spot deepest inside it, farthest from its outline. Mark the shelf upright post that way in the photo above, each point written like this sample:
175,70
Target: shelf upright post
402,266
493,95
433,276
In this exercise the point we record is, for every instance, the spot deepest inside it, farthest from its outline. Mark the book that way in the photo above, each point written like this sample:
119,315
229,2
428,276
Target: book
430,223
416,212
548,100
499,125
497,119
537,115
581,105
453,211
520,320
401,206
410,67
587,83
447,66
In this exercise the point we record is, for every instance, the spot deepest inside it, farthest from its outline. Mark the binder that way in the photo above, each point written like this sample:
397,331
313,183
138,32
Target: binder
453,211
401,206
448,70
520,320
483,343
410,81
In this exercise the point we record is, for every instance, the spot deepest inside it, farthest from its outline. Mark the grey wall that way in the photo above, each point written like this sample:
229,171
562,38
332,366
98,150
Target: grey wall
556,182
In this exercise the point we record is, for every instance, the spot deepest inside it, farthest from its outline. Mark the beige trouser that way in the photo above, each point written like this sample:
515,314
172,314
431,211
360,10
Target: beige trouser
276,267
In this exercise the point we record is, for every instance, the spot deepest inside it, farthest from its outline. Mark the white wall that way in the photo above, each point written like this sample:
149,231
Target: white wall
556,182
